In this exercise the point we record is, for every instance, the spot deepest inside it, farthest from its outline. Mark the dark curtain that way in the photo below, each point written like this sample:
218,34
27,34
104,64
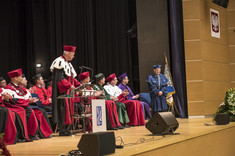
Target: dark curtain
178,56
34,31
16,41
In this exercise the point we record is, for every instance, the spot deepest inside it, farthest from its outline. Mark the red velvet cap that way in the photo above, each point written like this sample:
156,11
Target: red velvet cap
69,48
84,75
15,73
111,77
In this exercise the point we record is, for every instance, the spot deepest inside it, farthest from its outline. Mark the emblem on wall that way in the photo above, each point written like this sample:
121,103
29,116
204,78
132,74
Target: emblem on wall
215,25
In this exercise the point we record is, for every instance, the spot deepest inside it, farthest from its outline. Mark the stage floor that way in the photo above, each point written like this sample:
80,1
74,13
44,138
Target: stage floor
193,138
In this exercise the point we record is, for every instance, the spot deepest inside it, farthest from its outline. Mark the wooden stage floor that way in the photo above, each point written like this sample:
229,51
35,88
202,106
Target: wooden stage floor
194,138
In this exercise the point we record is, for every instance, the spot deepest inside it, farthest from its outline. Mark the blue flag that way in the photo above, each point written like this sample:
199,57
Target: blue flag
167,73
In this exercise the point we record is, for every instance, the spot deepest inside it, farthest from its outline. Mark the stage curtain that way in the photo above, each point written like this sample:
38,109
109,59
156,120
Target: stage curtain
34,31
178,56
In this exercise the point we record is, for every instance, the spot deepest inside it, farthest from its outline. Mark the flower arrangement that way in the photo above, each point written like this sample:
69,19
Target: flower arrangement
228,106
3,146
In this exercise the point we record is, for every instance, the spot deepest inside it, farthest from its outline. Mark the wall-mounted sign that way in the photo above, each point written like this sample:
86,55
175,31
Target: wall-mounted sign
215,25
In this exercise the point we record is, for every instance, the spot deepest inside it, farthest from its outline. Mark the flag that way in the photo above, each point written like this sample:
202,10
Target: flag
170,86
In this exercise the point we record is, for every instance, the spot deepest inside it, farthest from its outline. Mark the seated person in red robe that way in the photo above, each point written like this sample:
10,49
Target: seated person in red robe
133,107
13,127
22,98
3,82
42,92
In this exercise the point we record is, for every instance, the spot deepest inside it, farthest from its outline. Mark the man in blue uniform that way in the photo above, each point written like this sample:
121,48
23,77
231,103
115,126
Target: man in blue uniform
157,84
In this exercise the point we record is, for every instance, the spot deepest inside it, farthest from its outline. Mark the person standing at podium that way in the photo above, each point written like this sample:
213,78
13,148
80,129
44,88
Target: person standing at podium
62,84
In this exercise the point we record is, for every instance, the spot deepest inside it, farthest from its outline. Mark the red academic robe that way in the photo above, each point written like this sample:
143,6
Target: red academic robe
11,131
21,98
134,111
42,94
49,91
62,110
112,111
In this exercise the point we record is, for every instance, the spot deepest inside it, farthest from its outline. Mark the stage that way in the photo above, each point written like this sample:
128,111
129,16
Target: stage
192,138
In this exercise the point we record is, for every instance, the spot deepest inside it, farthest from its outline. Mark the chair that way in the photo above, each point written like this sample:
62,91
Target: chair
145,97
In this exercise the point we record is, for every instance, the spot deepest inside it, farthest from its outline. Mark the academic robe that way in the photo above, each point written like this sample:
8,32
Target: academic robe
43,97
15,127
78,106
145,106
37,121
156,84
63,78
133,107
110,106
7,125
49,91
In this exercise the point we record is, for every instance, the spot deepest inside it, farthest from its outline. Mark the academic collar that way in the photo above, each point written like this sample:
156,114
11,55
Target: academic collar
64,58
15,84
123,84
98,84
155,75
111,85
39,86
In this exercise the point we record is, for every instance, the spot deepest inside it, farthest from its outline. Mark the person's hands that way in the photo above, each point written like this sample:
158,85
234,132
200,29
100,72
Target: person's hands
31,90
72,88
160,93
125,92
136,96
6,96
114,98
99,92
33,100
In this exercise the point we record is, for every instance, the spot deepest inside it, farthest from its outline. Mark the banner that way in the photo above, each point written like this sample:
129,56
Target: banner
214,23
98,116
170,87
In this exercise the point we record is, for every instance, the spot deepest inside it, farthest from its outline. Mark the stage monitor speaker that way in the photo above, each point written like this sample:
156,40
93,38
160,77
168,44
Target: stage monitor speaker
162,123
96,144
223,3
222,119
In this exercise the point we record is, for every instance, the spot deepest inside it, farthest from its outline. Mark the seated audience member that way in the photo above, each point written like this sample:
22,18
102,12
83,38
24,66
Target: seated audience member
3,82
123,85
13,127
133,107
110,105
23,99
95,94
42,92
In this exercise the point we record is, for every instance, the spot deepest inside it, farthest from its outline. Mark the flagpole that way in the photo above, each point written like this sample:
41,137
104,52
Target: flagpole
173,107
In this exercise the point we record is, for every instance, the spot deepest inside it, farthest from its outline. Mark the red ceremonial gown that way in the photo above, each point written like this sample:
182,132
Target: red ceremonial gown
21,98
133,107
63,78
11,129
43,95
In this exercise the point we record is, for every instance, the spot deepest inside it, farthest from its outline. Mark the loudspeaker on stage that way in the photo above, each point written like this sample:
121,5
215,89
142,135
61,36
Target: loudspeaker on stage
96,144
162,123
222,119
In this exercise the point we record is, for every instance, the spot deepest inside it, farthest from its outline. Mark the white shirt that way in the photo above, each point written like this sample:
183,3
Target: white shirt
113,90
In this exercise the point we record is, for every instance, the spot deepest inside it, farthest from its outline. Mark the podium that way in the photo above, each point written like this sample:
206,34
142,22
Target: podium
94,108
